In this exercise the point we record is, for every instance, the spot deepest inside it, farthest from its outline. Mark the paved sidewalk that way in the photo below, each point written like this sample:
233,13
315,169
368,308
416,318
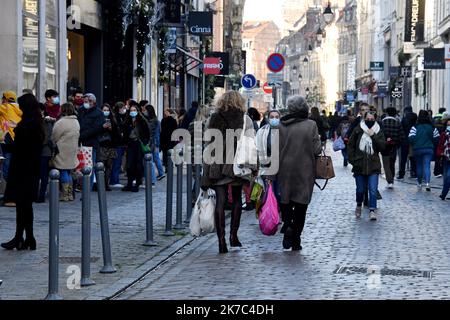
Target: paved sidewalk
403,255
25,273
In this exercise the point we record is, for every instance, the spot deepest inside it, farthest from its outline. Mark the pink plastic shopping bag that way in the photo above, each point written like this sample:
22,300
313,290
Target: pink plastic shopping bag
269,217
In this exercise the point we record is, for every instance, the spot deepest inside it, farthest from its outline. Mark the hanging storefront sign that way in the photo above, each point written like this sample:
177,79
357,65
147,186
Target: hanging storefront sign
216,63
414,20
376,66
434,58
171,40
200,23
172,11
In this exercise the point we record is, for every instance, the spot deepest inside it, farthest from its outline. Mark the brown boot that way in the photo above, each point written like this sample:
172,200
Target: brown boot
64,194
70,193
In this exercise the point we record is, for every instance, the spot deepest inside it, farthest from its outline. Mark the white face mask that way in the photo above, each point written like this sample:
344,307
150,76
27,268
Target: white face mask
86,105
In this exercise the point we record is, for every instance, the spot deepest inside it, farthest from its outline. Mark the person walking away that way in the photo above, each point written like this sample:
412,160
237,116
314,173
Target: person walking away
24,171
255,116
136,134
423,138
267,138
10,117
364,146
444,153
408,121
394,134
315,116
229,115
190,116
299,146
120,113
180,117
65,136
326,123
439,124
197,129
341,132
108,141
168,126
91,121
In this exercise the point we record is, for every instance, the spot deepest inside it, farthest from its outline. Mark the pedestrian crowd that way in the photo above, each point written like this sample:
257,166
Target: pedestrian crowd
36,137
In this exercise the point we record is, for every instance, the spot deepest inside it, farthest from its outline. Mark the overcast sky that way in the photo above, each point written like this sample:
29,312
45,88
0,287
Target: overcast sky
263,10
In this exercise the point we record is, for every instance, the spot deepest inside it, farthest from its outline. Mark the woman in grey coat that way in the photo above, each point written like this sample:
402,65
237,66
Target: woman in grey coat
299,147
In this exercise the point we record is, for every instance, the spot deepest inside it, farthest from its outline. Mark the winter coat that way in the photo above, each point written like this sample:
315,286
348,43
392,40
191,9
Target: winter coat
423,136
363,163
25,166
220,174
267,138
299,146
321,128
91,126
65,135
392,128
168,126
143,131
49,146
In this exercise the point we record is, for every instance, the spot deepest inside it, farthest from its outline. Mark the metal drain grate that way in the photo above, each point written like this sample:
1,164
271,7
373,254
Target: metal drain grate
71,260
384,272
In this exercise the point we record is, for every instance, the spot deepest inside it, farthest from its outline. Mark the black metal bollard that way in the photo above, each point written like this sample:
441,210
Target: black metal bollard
169,196
198,168
189,185
149,201
104,225
86,230
53,255
179,214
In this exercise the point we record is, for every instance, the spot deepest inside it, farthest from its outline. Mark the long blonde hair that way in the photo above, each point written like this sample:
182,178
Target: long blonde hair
202,113
231,100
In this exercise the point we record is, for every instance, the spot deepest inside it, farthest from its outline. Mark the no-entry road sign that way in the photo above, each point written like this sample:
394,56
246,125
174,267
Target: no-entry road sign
275,62
267,89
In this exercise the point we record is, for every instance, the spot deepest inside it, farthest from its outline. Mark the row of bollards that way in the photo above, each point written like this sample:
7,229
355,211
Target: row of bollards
103,210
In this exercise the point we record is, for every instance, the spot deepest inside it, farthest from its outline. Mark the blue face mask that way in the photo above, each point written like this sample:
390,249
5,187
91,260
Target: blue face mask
106,113
86,105
56,100
133,114
448,128
274,122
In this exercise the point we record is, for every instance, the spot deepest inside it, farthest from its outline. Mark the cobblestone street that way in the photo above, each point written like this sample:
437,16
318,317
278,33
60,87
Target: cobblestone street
407,249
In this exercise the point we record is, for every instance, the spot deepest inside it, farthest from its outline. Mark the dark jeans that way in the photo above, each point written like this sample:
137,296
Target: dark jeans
135,163
345,156
117,166
438,166
389,165
404,155
446,175
43,179
294,216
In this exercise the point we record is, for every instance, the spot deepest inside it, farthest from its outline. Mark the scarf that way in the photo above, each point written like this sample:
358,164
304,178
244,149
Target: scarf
365,144
52,110
447,145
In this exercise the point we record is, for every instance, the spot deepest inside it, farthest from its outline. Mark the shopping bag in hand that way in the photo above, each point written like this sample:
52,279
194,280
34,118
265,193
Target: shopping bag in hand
269,217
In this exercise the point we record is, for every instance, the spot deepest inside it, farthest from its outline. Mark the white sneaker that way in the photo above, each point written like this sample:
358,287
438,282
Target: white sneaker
438,176
390,186
428,187
372,216
419,186
117,185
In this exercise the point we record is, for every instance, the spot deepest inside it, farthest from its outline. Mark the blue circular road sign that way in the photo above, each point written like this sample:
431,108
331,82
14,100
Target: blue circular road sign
248,81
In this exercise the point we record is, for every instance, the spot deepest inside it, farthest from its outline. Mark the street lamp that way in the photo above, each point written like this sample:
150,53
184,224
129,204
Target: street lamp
319,34
328,14
305,62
